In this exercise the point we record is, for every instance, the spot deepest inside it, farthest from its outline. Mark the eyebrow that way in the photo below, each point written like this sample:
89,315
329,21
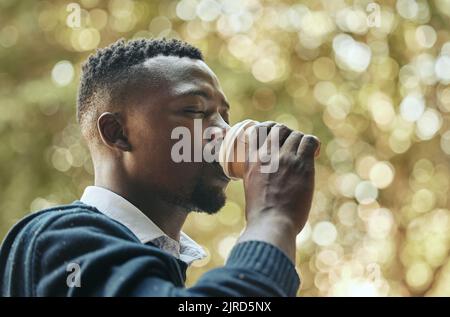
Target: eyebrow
201,93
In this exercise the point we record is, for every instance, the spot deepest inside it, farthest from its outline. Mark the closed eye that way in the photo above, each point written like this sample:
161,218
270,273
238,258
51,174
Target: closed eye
194,111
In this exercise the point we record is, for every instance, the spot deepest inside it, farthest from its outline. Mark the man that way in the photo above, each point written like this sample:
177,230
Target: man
123,237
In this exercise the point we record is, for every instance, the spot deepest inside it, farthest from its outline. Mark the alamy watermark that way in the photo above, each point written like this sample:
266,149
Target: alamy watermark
189,148
74,277
73,20
374,15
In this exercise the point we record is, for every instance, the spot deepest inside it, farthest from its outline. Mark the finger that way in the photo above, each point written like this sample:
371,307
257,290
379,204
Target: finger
265,150
258,133
317,153
308,147
292,142
262,130
277,136
255,137
283,133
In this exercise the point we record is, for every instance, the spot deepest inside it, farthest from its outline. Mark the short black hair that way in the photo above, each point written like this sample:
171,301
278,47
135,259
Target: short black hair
108,68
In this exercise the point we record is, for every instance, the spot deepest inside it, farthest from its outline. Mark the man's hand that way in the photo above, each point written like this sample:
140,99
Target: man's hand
278,203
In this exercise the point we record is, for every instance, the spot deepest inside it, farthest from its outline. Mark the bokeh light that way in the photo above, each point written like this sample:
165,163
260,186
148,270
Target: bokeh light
377,95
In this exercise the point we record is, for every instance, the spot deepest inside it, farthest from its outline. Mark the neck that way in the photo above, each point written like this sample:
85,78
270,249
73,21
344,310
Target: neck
169,217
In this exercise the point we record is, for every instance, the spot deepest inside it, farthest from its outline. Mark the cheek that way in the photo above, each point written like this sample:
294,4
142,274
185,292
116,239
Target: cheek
152,153
151,162
150,138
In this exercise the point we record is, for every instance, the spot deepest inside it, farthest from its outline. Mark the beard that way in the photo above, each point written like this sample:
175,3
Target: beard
207,198
203,198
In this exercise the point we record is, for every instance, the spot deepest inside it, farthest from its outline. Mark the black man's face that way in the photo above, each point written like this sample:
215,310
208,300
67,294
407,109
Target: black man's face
181,90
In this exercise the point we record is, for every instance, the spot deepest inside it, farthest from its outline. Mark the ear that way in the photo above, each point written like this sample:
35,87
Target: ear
112,131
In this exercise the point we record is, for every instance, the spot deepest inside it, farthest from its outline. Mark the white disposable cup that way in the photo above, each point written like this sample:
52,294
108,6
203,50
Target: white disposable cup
233,149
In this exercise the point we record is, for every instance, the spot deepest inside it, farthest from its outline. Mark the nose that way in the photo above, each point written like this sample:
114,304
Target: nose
219,122
218,127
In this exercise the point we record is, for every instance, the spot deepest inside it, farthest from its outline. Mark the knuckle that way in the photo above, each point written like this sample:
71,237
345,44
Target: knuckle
281,126
281,129
297,134
312,140
265,124
311,143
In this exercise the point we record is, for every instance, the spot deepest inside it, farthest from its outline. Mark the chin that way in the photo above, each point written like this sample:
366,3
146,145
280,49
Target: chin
208,199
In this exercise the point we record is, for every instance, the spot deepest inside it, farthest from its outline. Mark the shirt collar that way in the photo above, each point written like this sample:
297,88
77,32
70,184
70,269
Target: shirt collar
124,212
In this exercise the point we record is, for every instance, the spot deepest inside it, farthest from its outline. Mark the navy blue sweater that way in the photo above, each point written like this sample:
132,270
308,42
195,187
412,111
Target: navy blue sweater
37,256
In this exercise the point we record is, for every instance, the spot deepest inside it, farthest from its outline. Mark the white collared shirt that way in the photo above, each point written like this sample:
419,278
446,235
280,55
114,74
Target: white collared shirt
124,212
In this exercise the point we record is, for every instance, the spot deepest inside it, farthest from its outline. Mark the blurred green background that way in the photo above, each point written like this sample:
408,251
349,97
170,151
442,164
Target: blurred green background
370,78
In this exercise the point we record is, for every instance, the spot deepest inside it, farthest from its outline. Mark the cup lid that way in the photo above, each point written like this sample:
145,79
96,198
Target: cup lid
227,149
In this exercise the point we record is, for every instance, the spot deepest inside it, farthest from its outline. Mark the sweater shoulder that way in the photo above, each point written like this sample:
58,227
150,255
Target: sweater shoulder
38,219
47,238
76,214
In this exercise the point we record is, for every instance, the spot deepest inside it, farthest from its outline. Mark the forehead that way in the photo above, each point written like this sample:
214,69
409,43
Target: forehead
177,74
